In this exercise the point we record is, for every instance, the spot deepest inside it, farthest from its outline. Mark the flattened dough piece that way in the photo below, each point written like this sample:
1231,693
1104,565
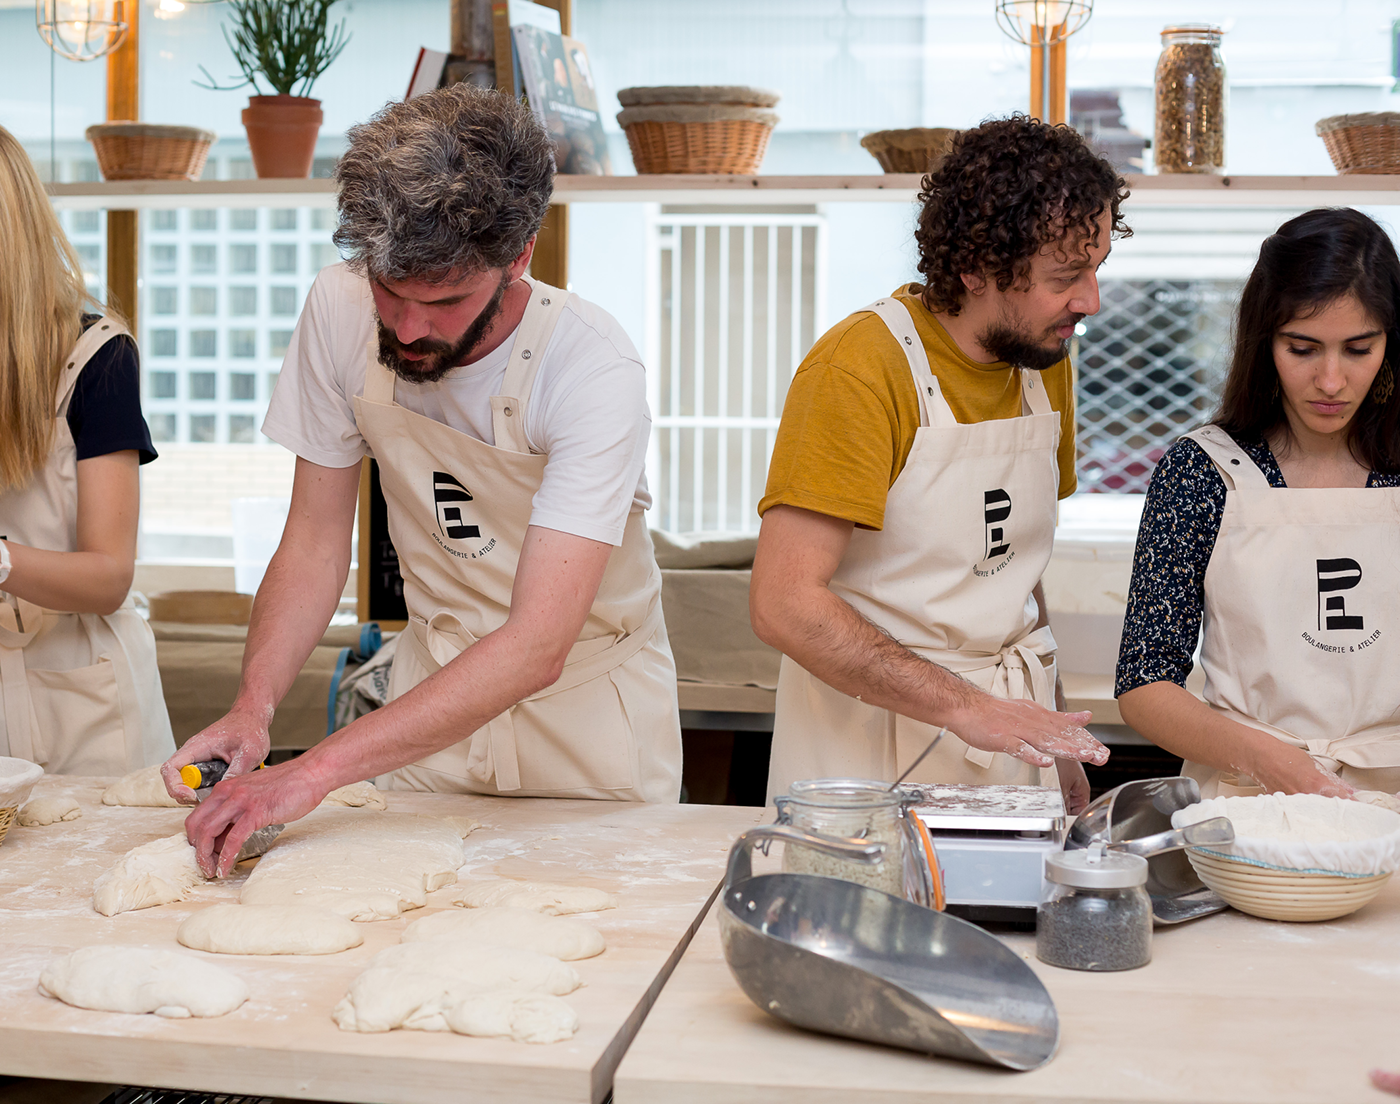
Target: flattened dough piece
415,985
48,810
511,927
268,930
142,787
1370,797
356,795
557,900
364,868
524,1017
153,874
135,979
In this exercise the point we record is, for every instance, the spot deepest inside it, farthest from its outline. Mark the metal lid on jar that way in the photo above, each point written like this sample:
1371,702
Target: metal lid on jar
1192,29
1091,869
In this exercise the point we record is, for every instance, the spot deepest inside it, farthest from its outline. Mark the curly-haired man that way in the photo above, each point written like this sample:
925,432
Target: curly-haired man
910,507
509,420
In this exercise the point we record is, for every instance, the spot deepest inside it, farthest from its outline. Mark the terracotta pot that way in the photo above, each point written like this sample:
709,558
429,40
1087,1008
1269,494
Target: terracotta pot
282,134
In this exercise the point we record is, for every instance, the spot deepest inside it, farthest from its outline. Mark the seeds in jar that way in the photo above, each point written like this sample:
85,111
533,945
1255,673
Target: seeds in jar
1190,128
887,875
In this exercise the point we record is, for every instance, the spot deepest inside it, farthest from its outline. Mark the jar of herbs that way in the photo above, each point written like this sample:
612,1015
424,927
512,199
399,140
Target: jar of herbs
1191,101
1095,913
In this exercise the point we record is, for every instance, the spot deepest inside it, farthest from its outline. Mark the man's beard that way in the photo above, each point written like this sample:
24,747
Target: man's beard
442,356
1008,341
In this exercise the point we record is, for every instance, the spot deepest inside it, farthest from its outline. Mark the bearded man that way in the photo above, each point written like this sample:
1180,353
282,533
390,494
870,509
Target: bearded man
910,506
509,420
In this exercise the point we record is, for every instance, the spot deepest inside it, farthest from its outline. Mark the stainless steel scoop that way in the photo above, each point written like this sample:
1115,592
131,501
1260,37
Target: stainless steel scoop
833,956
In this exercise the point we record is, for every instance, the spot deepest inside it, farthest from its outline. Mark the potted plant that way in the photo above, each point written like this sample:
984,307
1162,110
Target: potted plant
287,44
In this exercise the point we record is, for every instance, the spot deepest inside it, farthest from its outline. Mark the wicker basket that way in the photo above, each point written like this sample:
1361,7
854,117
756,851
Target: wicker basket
147,151
7,817
1365,143
697,138
740,94
917,150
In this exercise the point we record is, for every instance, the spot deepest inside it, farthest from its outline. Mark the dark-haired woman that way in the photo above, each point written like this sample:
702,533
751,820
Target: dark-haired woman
1278,525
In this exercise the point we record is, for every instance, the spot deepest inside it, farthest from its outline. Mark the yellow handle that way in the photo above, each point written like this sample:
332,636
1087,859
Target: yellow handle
190,776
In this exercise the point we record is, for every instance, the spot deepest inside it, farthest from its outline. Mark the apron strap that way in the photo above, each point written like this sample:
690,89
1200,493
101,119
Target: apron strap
933,407
1236,468
19,624
92,339
1034,400
532,339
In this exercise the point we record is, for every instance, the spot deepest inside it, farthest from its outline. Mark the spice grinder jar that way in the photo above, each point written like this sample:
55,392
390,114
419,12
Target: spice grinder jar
1095,913
1192,99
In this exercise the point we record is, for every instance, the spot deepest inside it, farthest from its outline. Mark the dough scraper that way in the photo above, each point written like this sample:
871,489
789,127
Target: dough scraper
202,778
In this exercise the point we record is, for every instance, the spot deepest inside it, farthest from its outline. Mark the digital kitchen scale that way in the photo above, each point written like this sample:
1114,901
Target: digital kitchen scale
991,843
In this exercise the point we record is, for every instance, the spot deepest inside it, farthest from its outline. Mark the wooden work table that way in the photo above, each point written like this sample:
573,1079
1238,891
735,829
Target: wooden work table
1231,1009
663,862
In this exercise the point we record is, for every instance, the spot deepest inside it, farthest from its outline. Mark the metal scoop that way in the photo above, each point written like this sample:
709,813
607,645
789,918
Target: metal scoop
833,956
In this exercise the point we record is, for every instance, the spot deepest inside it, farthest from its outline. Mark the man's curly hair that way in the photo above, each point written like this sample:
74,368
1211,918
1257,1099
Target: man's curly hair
1005,190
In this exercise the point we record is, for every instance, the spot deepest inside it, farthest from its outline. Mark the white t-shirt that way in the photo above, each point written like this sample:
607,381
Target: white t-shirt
587,413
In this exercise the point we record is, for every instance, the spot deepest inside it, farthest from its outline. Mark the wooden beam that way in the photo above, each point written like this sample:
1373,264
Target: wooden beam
124,102
1055,111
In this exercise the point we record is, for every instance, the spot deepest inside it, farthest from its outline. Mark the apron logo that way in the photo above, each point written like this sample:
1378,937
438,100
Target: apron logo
448,495
1333,576
996,509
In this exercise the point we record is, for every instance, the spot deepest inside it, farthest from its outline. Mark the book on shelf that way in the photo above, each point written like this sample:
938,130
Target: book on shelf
427,72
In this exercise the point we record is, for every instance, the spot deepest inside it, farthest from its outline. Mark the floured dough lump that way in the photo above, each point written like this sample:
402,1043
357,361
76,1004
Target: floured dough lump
48,810
268,930
136,979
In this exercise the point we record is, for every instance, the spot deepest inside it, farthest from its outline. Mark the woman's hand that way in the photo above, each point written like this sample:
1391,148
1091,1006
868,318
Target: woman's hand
1074,785
1287,769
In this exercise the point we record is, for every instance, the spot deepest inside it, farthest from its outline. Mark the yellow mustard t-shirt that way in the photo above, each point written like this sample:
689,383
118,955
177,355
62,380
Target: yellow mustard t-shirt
852,411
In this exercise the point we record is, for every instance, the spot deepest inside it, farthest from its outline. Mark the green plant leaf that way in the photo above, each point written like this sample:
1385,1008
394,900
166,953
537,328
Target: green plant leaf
286,43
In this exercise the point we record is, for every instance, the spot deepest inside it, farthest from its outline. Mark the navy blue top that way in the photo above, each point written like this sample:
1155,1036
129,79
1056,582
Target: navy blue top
1180,521
104,414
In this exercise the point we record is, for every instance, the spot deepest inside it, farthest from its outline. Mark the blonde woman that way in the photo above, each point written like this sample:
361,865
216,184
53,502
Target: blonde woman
79,688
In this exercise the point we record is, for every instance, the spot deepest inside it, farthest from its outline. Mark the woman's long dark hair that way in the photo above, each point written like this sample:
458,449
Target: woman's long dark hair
1307,264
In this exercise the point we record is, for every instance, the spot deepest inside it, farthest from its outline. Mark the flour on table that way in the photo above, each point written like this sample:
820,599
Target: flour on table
511,927
142,787
524,1017
557,900
364,868
356,795
1370,797
268,930
135,979
153,874
48,810
416,985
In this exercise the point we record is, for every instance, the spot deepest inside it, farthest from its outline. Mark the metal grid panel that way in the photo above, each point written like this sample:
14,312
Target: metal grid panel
1150,364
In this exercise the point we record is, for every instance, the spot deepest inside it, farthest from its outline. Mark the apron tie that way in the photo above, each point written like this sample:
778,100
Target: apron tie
19,624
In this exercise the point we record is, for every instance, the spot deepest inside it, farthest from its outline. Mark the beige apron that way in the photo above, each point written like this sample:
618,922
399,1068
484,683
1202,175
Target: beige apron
81,691
969,526
458,512
1302,621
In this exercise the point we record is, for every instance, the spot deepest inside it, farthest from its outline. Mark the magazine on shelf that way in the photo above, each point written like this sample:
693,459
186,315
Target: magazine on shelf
427,72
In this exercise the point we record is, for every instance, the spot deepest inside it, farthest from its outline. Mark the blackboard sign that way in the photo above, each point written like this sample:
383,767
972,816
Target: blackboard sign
380,584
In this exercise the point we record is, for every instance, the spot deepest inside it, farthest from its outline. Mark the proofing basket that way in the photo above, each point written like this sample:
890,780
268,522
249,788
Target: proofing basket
148,151
1277,893
17,778
916,150
717,130
1368,142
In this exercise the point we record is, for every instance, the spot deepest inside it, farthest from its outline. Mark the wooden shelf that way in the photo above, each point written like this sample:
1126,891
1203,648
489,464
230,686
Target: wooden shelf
1157,191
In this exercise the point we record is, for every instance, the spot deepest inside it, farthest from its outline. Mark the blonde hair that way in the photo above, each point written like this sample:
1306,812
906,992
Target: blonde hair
42,295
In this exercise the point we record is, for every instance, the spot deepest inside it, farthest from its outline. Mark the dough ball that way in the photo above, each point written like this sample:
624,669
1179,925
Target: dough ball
153,874
511,927
268,930
356,795
142,787
48,810
524,1017
557,900
134,979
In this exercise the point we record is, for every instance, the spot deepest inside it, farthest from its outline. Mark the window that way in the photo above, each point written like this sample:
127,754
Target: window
161,343
90,257
203,385
242,386
162,427
323,167
242,343
204,220
85,222
162,385
241,429
271,382
242,301
322,218
162,258
204,300
164,300
284,219
164,220
241,168
323,254
242,218
85,172
242,258
203,428
284,301
203,343
284,258
277,342
204,258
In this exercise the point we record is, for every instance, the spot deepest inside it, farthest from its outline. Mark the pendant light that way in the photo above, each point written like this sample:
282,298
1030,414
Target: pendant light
1042,24
82,30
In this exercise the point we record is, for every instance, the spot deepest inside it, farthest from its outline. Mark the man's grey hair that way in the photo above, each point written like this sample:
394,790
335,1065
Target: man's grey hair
446,184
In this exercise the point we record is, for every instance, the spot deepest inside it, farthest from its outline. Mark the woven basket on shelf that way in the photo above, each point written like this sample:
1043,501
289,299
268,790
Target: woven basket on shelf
149,151
1368,142
916,150
7,817
697,129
